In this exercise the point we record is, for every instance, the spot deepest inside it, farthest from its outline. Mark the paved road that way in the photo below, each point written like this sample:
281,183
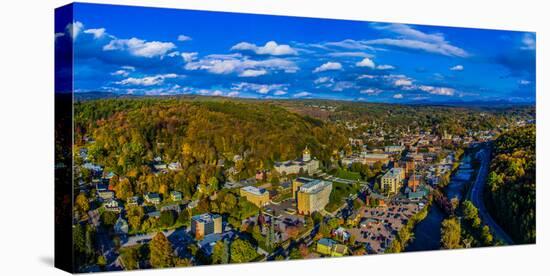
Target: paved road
476,196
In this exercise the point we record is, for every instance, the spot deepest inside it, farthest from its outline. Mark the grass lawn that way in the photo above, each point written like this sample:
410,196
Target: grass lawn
345,174
339,193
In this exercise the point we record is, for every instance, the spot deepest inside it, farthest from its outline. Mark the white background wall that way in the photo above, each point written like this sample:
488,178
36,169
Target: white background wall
27,117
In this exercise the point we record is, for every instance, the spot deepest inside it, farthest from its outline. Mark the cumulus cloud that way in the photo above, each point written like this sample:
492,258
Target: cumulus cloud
402,82
457,68
227,64
260,88
443,91
97,33
74,29
233,94
302,94
139,47
398,96
183,38
147,81
328,67
366,62
270,48
252,73
188,57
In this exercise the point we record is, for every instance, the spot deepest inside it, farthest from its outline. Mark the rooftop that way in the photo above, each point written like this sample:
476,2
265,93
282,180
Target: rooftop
254,190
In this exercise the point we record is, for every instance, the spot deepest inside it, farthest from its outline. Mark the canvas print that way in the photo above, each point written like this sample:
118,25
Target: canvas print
188,138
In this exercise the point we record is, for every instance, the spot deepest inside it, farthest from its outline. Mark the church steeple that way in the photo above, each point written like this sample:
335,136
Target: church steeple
306,155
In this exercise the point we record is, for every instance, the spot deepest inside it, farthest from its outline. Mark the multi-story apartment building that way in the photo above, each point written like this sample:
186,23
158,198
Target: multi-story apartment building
311,194
393,179
206,224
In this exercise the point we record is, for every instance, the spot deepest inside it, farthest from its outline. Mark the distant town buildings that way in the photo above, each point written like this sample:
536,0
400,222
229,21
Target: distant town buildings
329,247
393,179
311,194
367,158
206,224
257,196
305,164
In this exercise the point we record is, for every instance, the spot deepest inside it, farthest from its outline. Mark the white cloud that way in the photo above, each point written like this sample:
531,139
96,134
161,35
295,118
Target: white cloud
183,38
279,93
371,91
188,57
385,67
366,62
457,68
350,54
366,77
123,73
529,42
74,29
227,64
398,96
270,48
147,81
524,82
259,88
302,94
233,94
141,48
443,49
349,44
402,82
411,38
97,33
328,66
129,68
323,80
443,91
343,85
252,73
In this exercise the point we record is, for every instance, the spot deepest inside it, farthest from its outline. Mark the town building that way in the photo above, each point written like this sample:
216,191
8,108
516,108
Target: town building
392,180
305,164
176,196
311,194
257,196
367,159
206,224
329,247
153,198
394,149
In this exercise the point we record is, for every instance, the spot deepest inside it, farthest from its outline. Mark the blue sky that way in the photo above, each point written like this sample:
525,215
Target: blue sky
134,50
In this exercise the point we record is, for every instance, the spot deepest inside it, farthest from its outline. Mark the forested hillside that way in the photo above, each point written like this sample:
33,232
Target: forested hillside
129,133
511,183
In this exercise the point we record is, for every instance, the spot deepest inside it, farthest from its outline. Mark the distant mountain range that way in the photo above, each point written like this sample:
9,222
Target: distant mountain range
84,96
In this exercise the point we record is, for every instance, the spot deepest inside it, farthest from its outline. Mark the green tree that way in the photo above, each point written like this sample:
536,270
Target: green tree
450,233
242,251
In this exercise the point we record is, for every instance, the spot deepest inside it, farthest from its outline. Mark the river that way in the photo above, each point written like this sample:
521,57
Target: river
427,233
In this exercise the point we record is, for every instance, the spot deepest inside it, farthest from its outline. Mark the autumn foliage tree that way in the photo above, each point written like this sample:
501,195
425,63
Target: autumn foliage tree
161,252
